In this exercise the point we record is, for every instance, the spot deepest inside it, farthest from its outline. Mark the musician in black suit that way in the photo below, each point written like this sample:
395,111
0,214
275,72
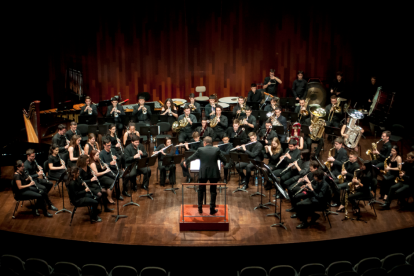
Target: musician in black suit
318,195
193,104
225,148
88,107
338,86
297,169
237,132
186,132
237,110
191,147
116,111
249,122
271,83
111,158
204,130
142,112
282,120
384,152
299,87
255,152
292,154
210,108
62,142
254,95
162,167
267,134
304,120
72,131
337,116
222,123
209,171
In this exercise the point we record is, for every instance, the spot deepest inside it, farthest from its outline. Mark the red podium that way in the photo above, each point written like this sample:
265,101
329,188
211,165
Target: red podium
191,220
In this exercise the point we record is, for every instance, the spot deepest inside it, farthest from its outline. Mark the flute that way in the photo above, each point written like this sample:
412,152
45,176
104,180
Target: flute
83,182
299,182
187,144
155,153
301,189
289,166
244,145
283,157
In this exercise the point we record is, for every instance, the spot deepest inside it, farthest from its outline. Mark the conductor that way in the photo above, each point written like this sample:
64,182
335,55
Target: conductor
209,171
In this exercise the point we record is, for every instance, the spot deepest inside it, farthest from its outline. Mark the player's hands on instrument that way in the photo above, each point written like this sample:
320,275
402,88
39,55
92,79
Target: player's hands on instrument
402,174
94,178
184,164
310,128
87,189
387,168
331,159
189,120
244,147
297,98
163,153
306,178
344,172
301,179
137,155
67,146
238,111
107,170
288,155
309,186
32,183
267,142
375,152
39,173
113,162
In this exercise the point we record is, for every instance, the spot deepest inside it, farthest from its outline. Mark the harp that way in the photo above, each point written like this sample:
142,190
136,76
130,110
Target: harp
32,122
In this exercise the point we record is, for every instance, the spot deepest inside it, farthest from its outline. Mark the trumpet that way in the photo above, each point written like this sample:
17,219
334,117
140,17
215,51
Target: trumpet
144,110
244,145
371,153
84,183
192,107
116,112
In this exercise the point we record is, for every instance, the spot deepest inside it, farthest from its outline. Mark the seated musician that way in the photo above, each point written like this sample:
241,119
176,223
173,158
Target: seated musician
384,152
81,194
62,142
294,184
222,123
88,109
56,165
92,144
296,170
254,95
194,106
295,134
27,189
115,141
299,87
237,132
336,118
303,119
111,157
142,112
104,174
317,197
404,186
186,132
162,167
204,130
249,122
273,151
86,175
271,83
225,148
237,110
394,164
170,109
131,131
210,108
309,140
343,129
36,172
254,151
116,111
75,150
292,154
72,131
282,120
135,151
337,160
267,134
192,145
338,86
274,102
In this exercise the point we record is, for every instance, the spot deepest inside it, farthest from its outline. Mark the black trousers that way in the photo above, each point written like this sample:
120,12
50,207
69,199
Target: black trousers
184,136
213,192
398,190
119,126
33,193
308,141
248,167
353,197
163,173
334,187
306,208
227,166
87,200
389,180
295,199
378,163
186,172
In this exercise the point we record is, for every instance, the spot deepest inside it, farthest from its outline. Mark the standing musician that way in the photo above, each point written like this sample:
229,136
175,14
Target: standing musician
163,168
72,131
338,86
267,134
237,110
131,131
344,128
75,150
81,194
105,176
336,117
26,189
142,112
299,87
222,123
274,102
225,148
370,92
133,151
209,171
110,157
88,108
186,132
194,106
249,122
116,111
303,119
309,140
394,163
282,120
62,142
204,130
56,165
273,151
115,141
210,108
384,152
36,172
317,198
295,134
170,109
254,151
404,185
271,83
292,154
237,132
92,144
254,95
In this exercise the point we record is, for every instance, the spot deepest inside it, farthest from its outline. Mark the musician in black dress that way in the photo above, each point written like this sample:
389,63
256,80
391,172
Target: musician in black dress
113,138
194,106
116,111
163,150
131,131
56,165
340,157
62,142
291,155
75,150
337,116
204,130
91,145
88,109
110,157
249,122
303,119
81,195
142,112
384,152
317,197
72,131
186,132
271,82
273,152
254,151
394,163
225,148
338,86
171,110
36,172
267,134
209,171
221,125
237,132
132,152
237,110
104,174
27,189
299,87
210,108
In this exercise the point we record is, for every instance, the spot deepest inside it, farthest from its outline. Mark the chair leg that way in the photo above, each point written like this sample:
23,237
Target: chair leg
73,213
15,208
327,216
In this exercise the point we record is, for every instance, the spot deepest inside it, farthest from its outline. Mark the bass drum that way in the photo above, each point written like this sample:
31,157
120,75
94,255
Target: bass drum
382,102
316,93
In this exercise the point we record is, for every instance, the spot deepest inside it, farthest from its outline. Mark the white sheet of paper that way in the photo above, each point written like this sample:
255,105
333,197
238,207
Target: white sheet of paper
195,165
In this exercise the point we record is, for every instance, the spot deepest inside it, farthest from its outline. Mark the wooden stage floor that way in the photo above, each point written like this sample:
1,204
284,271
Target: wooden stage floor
156,222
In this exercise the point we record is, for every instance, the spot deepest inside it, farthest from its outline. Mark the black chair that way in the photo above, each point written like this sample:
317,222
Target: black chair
164,128
252,271
38,265
13,263
46,171
122,270
76,206
336,267
20,199
392,261
93,129
310,269
402,270
370,198
375,272
367,263
285,270
67,268
94,269
153,271
83,129
87,119
103,129
28,273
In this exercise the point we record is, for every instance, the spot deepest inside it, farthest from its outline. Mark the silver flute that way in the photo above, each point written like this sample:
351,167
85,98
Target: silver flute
283,158
301,189
244,145
289,166
157,152
187,144
299,182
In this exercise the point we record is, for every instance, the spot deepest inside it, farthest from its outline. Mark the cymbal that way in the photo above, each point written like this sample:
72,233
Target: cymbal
316,93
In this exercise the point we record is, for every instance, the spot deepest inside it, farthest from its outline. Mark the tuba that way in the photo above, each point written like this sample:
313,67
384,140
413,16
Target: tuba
352,130
328,164
178,125
317,124
341,177
370,153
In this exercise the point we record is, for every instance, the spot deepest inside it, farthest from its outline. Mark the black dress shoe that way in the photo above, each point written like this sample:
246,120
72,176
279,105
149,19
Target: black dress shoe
36,212
334,204
200,210
53,208
96,219
108,210
385,206
245,187
303,225
47,214
189,179
291,210
125,193
135,187
213,211
294,216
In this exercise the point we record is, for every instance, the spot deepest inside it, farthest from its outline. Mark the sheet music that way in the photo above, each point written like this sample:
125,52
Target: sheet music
275,182
195,165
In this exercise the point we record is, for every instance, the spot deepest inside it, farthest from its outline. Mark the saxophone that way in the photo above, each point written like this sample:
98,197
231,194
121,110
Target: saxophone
385,165
351,184
370,153
340,176
399,179
328,164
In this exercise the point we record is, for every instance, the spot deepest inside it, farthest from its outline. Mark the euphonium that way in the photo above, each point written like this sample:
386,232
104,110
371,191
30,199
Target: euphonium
340,176
328,164
370,153
353,131
317,124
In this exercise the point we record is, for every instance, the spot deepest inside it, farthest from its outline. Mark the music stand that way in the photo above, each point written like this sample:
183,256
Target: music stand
116,182
61,179
147,162
253,105
333,131
195,125
239,157
329,178
164,118
148,131
176,159
280,130
127,172
236,142
259,165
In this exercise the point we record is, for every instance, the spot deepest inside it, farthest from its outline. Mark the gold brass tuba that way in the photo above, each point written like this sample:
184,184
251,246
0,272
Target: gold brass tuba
328,164
317,124
178,125
370,153
340,176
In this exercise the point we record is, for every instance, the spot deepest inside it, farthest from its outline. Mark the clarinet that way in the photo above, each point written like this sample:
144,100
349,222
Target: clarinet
267,134
62,162
202,131
239,133
116,164
106,165
43,173
83,182
119,141
301,190
31,179
97,180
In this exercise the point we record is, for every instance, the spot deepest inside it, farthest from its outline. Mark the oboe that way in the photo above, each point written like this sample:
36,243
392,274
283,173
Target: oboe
43,173
244,145
106,165
84,183
31,179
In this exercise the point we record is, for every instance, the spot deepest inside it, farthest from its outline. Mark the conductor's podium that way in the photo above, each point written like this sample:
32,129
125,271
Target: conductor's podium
192,220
